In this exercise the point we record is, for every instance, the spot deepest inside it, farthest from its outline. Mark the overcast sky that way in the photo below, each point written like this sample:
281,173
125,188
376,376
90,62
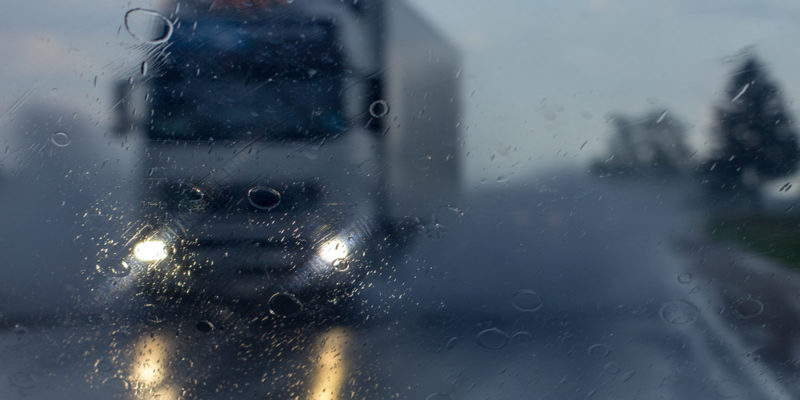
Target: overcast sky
545,73
538,78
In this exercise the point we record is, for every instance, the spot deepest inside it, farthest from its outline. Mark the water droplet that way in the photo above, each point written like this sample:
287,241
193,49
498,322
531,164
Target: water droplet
741,92
117,385
102,366
311,154
785,188
60,139
685,367
628,375
340,265
284,305
526,300
378,109
522,337
661,117
492,338
612,368
22,380
154,313
188,197
204,326
113,267
438,396
747,307
263,198
144,68
599,350
451,343
148,26
679,312
685,277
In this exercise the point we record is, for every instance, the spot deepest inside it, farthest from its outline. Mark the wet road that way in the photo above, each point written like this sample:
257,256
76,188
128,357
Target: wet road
560,286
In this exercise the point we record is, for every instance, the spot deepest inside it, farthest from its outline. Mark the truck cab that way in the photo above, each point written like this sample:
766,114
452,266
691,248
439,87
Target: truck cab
282,141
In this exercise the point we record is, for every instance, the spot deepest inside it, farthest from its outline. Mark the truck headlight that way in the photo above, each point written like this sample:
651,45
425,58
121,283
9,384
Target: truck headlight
333,250
150,250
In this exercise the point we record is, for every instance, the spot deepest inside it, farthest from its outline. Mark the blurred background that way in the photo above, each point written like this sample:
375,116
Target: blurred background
438,200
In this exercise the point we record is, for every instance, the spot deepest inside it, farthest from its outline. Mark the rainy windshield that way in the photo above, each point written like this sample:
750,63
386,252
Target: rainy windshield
272,77
399,199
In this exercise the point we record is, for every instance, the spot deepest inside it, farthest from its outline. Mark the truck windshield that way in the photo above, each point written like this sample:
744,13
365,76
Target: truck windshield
273,78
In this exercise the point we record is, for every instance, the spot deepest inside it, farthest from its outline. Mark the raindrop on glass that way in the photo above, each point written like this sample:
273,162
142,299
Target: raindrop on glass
522,337
685,277
188,197
263,198
526,300
102,366
144,68
685,367
113,267
599,350
612,368
284,305
378,109
148,26
628,375
340,265
747,307
22,380
451,343
492,338
154,313
678,312
661,117
117,386
204,326
60,139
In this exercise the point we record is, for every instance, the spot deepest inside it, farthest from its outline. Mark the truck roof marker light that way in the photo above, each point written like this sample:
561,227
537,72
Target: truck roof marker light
150,251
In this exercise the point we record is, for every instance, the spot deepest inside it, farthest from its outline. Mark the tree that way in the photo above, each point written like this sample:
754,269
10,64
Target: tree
653,144
753,133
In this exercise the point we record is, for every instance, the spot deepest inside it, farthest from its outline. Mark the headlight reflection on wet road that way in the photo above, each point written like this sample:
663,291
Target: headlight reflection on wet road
149,369
332,365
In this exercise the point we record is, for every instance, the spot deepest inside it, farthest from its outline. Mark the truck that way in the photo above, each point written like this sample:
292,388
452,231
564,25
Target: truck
286,145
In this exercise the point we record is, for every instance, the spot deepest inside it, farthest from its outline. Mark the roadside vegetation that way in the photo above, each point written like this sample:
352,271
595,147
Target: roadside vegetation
775,237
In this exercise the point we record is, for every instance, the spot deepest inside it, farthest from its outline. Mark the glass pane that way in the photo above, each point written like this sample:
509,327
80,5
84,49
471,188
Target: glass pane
391,199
